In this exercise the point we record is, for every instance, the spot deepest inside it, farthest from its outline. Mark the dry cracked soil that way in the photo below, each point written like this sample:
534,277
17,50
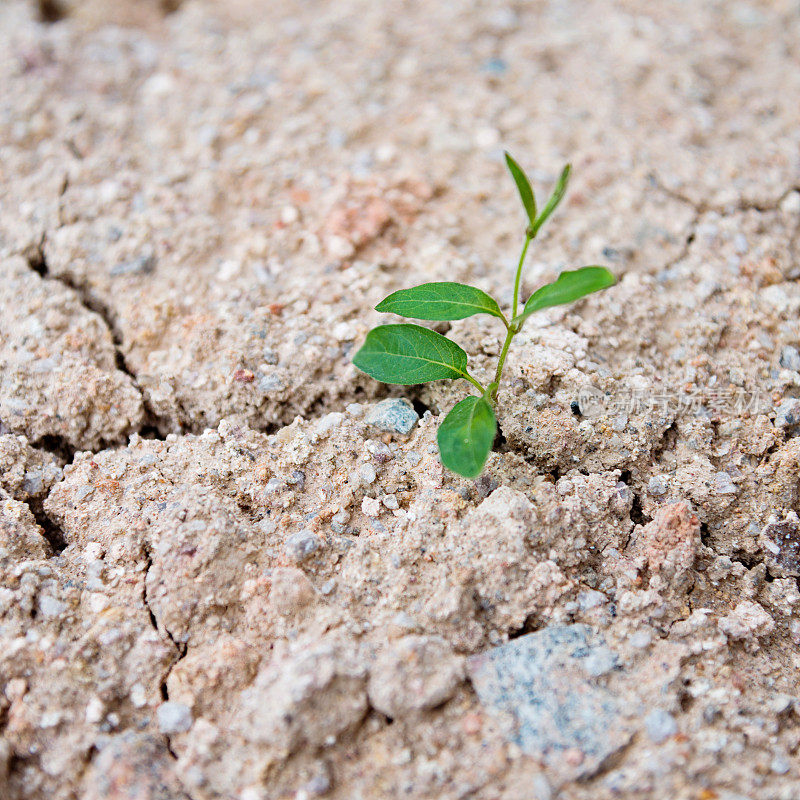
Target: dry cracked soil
225,572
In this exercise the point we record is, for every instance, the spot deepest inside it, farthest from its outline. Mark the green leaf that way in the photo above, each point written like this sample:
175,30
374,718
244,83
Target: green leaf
410,354
466,435
523,187
570,285
555,199
443,300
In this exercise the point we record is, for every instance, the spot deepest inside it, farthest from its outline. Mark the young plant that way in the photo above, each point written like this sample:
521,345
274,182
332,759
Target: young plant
409,354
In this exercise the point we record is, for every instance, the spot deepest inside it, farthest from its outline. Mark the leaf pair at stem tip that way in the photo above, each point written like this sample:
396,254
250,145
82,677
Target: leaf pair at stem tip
410,354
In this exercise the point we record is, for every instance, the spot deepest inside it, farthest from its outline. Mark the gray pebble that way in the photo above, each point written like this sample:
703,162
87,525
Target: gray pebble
302,545
790,358
413,457
33,484
367,474
620,422
780,541
657,486
50,607
395,415
787,415
339,521
174,717
270,383
380,452
723,484
660,725
541,688
141,265
780,765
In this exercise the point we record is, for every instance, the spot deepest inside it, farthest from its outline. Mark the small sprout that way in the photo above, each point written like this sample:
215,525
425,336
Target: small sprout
409,354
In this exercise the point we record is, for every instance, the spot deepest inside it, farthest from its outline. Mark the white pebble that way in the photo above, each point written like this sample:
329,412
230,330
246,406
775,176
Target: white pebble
174,717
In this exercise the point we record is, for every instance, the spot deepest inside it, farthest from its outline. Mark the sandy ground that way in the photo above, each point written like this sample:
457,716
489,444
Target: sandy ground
222,579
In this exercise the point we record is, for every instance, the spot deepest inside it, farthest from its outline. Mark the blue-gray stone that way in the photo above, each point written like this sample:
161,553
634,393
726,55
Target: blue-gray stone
660,725
790,358
302,545
544,689
395,415
787,415
141,265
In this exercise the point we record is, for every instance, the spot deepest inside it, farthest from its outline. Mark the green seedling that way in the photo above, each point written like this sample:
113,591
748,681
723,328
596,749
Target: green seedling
409,354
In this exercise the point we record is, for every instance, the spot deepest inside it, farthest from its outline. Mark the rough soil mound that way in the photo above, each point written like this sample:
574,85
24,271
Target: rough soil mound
224,575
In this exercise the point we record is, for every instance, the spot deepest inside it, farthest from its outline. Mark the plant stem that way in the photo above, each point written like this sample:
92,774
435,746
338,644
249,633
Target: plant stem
528,239
475,383
512,331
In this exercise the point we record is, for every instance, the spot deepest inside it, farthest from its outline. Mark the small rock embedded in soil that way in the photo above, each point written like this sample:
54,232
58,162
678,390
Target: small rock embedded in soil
132,765
395,415
302,545
304,699
787,415
747,621
660,725
174,718
657,486
141,265
790,358
781,544
413,674
543,689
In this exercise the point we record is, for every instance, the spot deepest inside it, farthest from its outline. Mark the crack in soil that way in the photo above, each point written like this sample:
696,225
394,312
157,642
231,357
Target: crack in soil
742,204
37,260
181,648
51,530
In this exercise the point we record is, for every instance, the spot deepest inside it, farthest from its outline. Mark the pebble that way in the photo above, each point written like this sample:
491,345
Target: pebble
344,332
269,383
329,422
50,607
657,486
640,639
589,599
413,674
780,765
787,415
174,717
620,422
541,688
790,358
367,474
791,203
380,452
371,506
289,215
723,484
780,541
141,265
339,521
660,725
495,66
395,415
413,457
302,545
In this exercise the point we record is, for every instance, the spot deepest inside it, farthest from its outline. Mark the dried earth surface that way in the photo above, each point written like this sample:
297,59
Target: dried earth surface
232,567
